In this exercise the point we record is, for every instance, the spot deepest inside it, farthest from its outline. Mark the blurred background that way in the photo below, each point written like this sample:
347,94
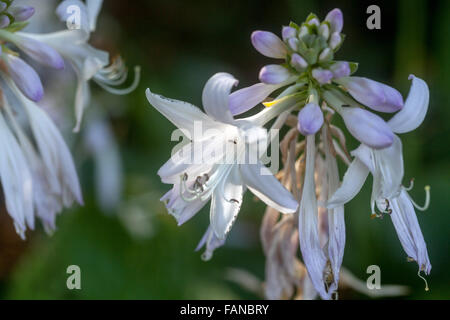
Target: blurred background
126,244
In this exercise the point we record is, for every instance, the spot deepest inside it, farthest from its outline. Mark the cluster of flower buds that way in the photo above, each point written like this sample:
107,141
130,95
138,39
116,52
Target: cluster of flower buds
9,14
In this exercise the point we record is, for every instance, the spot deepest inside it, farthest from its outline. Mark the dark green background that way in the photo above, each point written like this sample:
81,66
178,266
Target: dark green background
179,45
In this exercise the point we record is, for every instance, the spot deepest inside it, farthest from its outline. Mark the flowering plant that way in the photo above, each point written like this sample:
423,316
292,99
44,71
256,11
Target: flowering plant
308,191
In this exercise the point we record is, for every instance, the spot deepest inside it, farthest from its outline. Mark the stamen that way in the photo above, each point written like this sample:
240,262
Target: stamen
427,200
425,280
411,185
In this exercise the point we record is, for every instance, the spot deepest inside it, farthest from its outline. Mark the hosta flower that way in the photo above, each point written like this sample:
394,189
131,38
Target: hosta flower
386,166
224,177
328,89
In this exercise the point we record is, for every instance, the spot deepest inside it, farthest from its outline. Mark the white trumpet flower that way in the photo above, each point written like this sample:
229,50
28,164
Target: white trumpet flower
224,179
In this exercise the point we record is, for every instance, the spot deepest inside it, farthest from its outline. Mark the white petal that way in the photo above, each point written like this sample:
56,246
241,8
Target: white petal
408,230
414,110
212,243
82,100
181,114
226,203
364,154
216,94
336,222
313,255
389,165
353,180
265,186
16,180
93,9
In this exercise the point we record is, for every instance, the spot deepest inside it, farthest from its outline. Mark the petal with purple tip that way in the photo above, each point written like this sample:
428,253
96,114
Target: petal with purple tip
26,79
336,20
310,119
274,74
367,127
373,94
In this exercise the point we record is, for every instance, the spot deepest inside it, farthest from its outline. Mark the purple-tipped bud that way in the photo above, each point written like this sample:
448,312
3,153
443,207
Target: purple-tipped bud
373,94
288,32
274,74
335,40
310,119
303,32
340,69
269,44
367,127
336,20
322,75
26,79
298,62
21,13
313,22
293,44
3,6
4,21
41,52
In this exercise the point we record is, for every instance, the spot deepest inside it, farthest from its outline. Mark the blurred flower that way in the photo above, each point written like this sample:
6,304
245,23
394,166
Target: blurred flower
224,178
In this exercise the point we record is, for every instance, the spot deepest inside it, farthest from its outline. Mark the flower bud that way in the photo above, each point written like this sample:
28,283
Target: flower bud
298,62
303,32
326,55
324,31
373,94
26,79
40,52
268,44
313,22
340,69
3,6
288,32
336,20
335,40
310,119
4,21
367,127
21,13
293,43
322,75
274,74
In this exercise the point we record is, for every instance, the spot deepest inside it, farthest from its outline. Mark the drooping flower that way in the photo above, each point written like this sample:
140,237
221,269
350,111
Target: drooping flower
386,166
223,177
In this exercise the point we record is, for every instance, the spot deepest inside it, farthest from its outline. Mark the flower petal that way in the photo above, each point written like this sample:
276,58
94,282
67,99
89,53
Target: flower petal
389,166
274,74
415,109
313,254
244,99
408,230
310,119
216,96
226,202
93,9
367,127
212,243
269,44
265,186
181,114
353,180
